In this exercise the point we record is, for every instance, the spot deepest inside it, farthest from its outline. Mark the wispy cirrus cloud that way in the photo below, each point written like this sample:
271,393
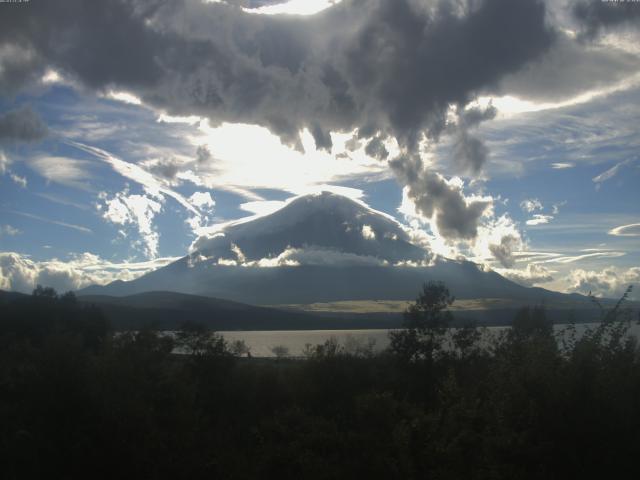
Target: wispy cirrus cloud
63,170
631,230
611,172
137,174
72,226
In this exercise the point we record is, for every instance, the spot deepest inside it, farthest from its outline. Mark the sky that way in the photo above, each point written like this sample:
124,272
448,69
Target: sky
501,132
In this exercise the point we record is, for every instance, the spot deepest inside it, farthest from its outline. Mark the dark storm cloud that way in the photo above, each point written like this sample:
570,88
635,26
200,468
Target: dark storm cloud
455,216
203,155
469,152
167,168
375,148
595,15
503,251
569,68
21,125
389,68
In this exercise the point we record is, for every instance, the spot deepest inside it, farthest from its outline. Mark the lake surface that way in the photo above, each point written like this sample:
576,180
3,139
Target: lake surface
261,343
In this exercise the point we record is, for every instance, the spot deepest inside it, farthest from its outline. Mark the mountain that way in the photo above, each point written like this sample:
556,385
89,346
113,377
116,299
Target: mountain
322,248
333,227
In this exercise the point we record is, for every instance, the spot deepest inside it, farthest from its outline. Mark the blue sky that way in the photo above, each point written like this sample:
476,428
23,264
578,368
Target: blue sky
121,184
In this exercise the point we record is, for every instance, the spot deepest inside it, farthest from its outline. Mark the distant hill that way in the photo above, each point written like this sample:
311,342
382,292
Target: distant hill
167,310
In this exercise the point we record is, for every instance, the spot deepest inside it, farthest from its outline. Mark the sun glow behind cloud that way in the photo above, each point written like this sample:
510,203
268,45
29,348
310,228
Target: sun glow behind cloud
294,7
509,105
250,156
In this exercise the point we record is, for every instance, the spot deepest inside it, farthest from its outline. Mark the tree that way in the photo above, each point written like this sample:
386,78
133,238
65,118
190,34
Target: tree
426,322
280,351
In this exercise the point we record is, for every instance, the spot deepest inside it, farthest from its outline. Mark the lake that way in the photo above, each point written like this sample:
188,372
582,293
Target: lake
262,342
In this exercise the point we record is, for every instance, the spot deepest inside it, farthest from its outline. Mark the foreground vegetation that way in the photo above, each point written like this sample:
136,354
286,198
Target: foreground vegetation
77,401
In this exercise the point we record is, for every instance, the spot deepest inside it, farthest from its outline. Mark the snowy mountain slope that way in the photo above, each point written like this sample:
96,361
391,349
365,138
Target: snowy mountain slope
322,223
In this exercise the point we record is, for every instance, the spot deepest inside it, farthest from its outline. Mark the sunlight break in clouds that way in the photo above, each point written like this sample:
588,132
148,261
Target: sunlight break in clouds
265,162
294,7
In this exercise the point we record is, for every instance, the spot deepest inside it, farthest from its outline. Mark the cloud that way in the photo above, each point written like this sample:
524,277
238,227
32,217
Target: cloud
368,233
443,202
470,153
78,228
610,282
21,125
388,70
316,256
291,7
497,237
137,174
9,231
611,172
166,168
564,259
631,230
4,163
18,180
377,66
503,252
569,69
562,165
202,200
138,211
595,15
63,201
530,205
66,171
539,219
203,154
21,273
530,276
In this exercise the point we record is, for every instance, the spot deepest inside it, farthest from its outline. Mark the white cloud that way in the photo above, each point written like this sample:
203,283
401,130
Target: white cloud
4,163
539,219
202,199
609,282
316,256
611,172
63,170
368,233
138,174
124,97
18,180
265,162
497,237
262,207
139,211
562,165
72,226
9,231
20,273
530,276
631,230
559,258
293,7
531,205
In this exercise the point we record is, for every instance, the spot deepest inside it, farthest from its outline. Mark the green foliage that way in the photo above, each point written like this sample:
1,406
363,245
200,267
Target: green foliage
426,323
